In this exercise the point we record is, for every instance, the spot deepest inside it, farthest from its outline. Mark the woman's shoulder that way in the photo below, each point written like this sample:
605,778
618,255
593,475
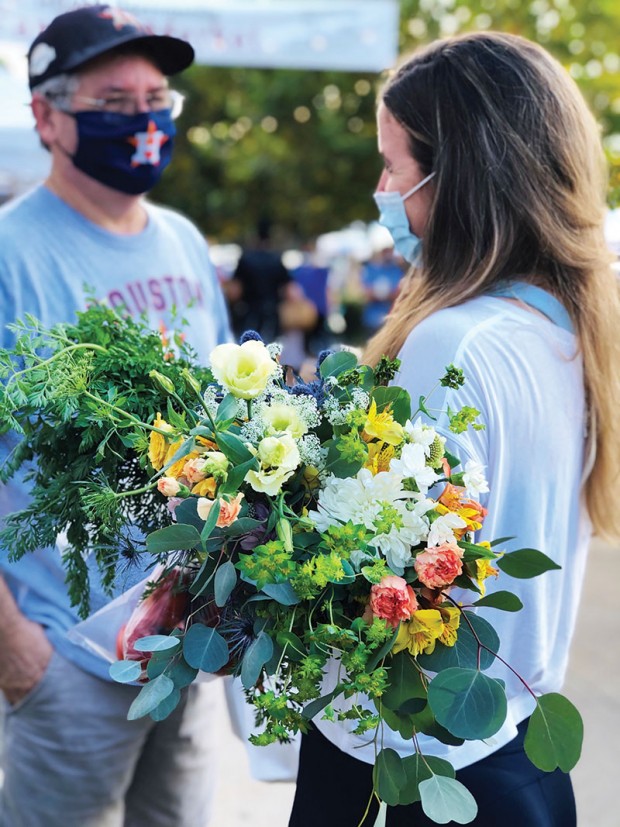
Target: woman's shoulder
461,325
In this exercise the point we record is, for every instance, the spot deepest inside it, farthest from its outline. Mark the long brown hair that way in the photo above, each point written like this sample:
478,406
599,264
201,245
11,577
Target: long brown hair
519,190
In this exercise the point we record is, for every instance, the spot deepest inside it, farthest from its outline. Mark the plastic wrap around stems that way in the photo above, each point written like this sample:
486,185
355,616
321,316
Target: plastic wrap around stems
157,605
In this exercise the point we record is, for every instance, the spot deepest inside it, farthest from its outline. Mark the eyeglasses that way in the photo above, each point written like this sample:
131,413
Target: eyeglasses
126,104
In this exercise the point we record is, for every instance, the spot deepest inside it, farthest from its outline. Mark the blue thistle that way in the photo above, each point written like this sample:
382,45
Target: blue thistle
250,335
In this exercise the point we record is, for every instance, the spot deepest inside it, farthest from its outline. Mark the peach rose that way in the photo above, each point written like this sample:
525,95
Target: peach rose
168,486
193,470
392,599
439,566
229,510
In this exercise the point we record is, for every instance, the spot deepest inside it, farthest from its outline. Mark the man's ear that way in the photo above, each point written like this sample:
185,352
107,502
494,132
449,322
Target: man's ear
45,119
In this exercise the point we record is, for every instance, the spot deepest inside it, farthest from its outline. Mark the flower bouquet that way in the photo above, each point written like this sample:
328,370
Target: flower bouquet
306,525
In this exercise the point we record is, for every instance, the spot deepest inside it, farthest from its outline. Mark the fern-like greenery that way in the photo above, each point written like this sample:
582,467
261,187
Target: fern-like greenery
81,399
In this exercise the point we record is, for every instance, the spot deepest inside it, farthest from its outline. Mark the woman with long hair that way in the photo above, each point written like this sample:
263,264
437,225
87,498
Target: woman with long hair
494,189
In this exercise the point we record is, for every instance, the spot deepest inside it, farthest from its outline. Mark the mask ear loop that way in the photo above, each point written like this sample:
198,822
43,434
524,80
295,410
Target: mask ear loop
418,186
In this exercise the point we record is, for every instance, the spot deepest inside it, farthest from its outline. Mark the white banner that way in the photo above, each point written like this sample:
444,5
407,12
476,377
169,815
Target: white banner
347,35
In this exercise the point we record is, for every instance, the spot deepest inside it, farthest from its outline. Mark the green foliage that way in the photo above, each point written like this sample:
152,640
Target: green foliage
554,734
467,703
445,800
317,169
204,648
80,395
525,563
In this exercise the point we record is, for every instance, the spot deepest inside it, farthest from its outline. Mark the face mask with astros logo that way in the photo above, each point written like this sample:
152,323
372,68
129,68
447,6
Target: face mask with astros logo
125,152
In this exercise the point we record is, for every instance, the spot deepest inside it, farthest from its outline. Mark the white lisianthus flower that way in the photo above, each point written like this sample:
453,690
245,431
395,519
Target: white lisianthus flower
280,418
473,478
244,370
442,529
279,457
412,463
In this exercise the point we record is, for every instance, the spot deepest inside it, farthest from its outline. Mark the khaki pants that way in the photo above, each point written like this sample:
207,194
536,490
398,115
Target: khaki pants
72,759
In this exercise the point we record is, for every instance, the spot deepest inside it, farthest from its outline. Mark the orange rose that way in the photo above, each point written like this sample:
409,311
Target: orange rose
393,599
439,566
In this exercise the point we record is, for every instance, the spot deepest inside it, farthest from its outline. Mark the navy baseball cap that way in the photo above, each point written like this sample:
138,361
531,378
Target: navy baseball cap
77,36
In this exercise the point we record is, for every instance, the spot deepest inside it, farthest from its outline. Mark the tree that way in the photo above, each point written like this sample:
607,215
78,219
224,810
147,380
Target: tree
300,146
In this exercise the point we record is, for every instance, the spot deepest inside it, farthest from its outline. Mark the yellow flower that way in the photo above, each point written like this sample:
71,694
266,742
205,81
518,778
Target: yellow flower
420,633
484,569
176,469
205,488
158,447
244,370
382,426
451,618
379,457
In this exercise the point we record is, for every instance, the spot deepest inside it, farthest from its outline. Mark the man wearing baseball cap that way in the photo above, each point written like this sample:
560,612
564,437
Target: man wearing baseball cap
104,109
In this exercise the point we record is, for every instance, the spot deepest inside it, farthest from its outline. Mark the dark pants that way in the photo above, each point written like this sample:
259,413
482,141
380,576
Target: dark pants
333,790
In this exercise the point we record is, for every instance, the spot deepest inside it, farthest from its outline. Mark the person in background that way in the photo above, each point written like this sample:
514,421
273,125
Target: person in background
381,277
259,284
494,188
104,109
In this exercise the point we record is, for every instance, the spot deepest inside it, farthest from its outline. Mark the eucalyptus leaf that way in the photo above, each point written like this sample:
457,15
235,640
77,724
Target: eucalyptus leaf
224,582
284,593
381,819
445,800
467,703
125,671
172,538
419,768
554,734
157,643
525,563
167,706
424,721
156,666
405,681
398,721
186,513
464,653
389,776
150,696
204,648
256,656
506,601
181,673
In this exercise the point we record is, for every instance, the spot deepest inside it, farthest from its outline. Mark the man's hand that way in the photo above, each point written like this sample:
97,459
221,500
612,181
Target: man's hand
24,660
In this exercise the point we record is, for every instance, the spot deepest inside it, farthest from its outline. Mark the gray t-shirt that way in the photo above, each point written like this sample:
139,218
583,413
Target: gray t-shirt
48,253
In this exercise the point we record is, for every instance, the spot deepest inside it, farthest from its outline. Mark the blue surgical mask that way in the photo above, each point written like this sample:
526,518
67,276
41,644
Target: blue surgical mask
125,152
392,216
